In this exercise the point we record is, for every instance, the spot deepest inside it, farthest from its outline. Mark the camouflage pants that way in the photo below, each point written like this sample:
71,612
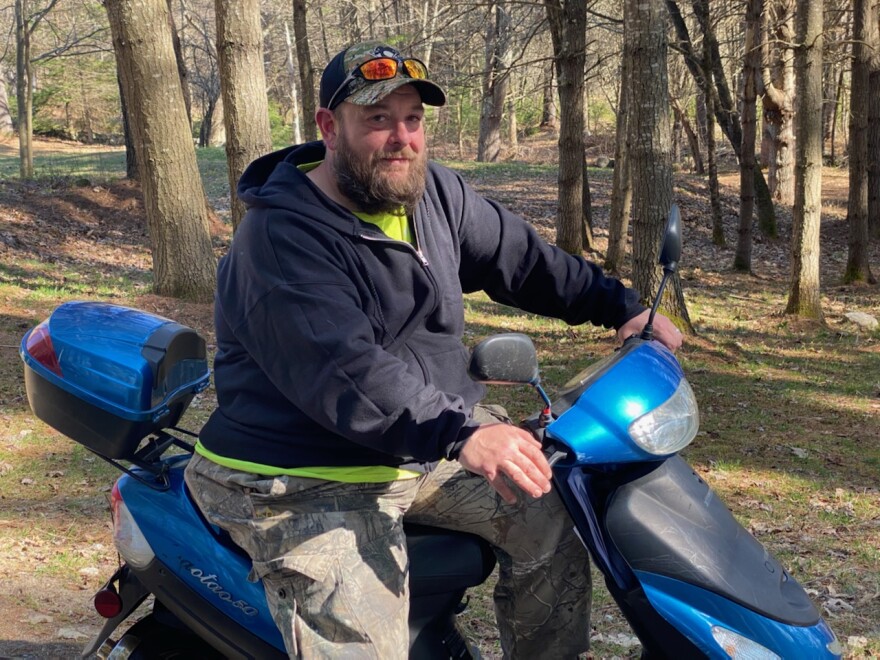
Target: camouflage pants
332,557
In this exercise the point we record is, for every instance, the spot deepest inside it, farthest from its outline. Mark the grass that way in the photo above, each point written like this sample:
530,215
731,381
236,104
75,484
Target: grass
789,440
102,165
99,164
790,433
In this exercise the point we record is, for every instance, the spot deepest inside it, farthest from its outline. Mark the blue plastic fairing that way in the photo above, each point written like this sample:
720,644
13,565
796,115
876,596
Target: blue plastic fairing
595,427
694,611
182,542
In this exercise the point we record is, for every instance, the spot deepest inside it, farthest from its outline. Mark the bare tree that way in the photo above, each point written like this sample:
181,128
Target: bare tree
25,24
777,83
650,142
176,209
496,81
204,73
751,71
548,97
568,30
294,84
723,104
181,63
243,87
6,126
804,297
28,18
306,73
865,40
873,90
838,36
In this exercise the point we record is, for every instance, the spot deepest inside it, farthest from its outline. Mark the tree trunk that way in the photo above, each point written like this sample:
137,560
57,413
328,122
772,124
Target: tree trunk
428,29
692,137
836,116
6,126
864,35
512,129
294,84
243,88
650,150
873,90
212,132
24,90
586,205
804,297
621,188
496,81
306,73
829,85
777,102
131,162
568,30
751,70
714,189
548,99
183,258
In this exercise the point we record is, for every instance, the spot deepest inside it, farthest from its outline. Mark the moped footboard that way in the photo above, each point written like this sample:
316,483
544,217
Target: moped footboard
700,569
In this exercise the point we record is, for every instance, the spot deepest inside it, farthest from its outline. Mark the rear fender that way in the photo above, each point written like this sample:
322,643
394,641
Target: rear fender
132,593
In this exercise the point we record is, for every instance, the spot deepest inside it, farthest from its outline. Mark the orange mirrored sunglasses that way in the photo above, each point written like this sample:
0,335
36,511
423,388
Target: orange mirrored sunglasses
382,68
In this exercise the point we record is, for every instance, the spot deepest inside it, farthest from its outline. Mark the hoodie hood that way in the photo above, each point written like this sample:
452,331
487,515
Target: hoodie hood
275,181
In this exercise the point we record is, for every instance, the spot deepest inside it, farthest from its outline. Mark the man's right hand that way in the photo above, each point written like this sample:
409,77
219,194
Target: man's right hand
495,450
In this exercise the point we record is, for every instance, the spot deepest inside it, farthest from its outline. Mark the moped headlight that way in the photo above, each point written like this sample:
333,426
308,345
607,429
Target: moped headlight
671,426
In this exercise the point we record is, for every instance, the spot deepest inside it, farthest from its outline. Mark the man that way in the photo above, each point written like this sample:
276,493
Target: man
344,403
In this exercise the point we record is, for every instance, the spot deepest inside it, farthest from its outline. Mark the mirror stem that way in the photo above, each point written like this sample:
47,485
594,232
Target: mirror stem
546,415
648,331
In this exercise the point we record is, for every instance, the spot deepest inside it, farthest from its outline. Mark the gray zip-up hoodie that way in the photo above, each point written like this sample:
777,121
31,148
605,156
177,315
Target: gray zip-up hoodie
340,346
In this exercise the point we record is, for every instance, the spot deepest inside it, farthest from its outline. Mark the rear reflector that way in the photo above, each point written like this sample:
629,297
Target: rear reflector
108,603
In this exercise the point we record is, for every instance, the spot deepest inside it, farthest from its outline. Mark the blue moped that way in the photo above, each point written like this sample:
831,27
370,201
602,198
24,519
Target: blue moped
690,580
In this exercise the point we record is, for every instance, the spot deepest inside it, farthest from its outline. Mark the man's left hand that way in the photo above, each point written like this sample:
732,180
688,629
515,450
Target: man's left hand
664,330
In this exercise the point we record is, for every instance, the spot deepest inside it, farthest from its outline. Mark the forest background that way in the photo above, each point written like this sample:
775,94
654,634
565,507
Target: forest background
589,118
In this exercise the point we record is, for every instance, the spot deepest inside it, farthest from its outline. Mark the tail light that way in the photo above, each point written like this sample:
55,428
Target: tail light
39,346
129,540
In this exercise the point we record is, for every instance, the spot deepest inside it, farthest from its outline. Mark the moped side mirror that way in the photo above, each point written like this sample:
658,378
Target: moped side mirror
670,253
670,249
505,359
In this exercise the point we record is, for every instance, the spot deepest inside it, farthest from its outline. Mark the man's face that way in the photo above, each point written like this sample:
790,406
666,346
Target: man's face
379,155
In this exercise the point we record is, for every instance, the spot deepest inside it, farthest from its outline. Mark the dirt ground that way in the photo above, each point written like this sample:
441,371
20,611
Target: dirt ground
102,227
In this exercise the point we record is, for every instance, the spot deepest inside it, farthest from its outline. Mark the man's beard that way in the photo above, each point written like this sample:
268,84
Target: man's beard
362,181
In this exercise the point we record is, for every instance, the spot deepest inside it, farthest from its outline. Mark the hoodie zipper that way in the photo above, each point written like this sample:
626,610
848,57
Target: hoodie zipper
415,249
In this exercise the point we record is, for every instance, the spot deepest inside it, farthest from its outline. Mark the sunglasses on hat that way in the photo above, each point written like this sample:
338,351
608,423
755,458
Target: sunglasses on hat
382,68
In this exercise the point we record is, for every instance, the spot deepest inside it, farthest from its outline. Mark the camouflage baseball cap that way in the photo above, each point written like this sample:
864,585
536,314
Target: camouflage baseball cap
339,82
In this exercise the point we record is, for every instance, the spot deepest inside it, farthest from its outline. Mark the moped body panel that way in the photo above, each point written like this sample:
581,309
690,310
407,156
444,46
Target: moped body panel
674,558
200,556
209,589
695,611
633,382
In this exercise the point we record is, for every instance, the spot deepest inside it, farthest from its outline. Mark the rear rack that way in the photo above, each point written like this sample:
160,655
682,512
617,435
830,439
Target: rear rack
149,457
